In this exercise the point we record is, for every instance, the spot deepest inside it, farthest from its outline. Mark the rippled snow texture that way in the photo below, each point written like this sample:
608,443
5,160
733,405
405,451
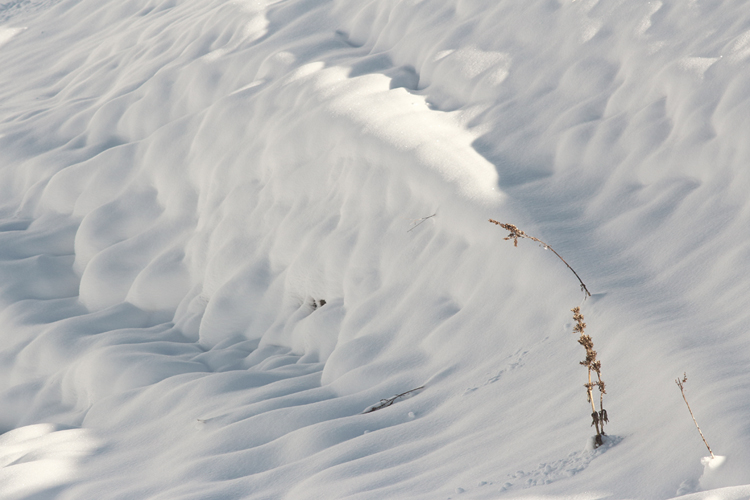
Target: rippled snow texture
216,246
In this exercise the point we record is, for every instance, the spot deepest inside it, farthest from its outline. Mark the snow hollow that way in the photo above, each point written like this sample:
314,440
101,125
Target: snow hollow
229,228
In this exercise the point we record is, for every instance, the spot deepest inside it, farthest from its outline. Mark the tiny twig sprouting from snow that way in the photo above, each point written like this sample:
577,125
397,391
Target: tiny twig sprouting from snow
417,222
680,384
516,233
384,403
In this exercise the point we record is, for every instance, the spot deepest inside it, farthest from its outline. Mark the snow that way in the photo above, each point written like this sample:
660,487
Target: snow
228,227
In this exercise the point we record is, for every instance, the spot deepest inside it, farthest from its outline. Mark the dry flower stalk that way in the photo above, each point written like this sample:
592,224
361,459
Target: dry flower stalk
516,233
599,418
680,384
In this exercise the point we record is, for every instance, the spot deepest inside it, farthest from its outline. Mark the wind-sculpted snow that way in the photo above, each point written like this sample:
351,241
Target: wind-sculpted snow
228,228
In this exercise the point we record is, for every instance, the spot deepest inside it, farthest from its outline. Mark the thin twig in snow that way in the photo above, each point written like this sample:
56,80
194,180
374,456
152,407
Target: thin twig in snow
417,222
384,403
680,384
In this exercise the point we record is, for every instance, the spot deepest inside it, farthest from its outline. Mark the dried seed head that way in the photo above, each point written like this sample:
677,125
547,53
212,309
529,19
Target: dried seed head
593,365
515,233
590,357
586,341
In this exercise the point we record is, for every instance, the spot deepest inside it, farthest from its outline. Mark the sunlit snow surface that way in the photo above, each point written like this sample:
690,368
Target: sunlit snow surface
216,249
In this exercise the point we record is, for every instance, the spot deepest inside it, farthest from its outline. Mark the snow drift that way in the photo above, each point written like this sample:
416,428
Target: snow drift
215,252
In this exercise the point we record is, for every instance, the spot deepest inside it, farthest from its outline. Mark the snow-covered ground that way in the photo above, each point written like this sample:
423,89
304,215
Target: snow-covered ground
216,248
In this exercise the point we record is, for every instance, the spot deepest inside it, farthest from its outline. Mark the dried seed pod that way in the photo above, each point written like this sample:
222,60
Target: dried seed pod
603,416
595,419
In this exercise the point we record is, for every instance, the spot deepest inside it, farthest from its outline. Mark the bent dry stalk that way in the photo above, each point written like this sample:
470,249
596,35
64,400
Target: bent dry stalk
516,233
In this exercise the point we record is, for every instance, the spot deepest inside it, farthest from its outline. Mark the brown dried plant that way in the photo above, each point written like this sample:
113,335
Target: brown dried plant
599,418
681,385
516,233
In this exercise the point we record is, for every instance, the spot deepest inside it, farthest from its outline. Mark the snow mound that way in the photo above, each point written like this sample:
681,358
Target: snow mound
228,227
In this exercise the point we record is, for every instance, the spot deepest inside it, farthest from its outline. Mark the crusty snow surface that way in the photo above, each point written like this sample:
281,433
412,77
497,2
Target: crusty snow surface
216,248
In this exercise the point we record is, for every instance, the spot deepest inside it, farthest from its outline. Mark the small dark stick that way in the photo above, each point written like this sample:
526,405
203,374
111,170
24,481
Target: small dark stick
420,221
384,403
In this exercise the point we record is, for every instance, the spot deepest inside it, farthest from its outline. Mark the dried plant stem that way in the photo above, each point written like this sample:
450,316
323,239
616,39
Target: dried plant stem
598,418
590,389
419,221
680,384
516,233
